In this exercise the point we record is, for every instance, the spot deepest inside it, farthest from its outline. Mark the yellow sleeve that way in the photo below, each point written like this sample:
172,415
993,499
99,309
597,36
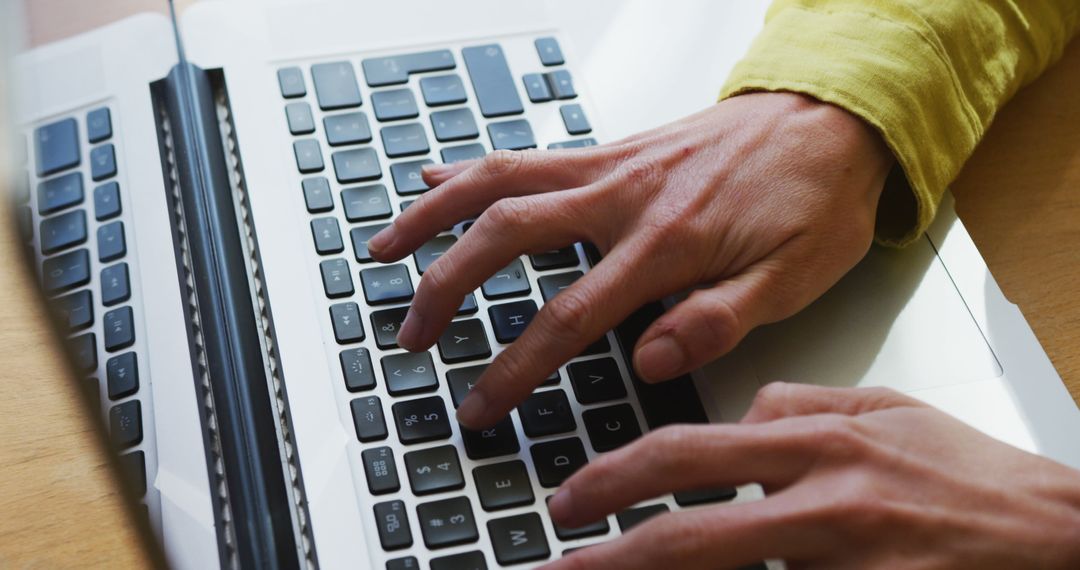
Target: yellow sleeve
929,75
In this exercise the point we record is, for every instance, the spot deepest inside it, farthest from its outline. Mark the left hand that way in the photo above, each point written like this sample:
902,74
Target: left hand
854,478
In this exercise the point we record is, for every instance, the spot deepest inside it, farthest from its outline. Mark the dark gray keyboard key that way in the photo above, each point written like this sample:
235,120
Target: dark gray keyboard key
491,81
576,143
102,162
356,165
308,156
461,380
561,84
454,125
574,119
503,485
59,193
394,104
98,125
291,82
134,467
510,319
518,539
426,254
115,286
472,560
335,278
63,231
364,203
507,282
549,51
119,328
386,284
464,340
125,424
107,201
56,146
556,461
596,380
546,413
25,221
468,305
379,71
386,325
422,419
611,427
500,439
404,140
317,196
630,518
511,135
335,85
592,529
380,470
356,367
368,419
536,87
122,372
409,373
404,563
300,119
599,346
83,351
66,271
408,178
551,285
555,259
327,236
434,470
348,326
75,311
393,523
446,523
452,154
347,128
360,237
443,90
703,496
110,242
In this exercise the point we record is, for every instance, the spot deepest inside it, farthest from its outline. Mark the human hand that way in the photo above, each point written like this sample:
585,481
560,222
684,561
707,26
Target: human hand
765,199
854,478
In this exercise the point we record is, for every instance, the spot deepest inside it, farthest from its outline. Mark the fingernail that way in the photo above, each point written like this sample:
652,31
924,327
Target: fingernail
472,409
659,359
560,504
381,241
411,329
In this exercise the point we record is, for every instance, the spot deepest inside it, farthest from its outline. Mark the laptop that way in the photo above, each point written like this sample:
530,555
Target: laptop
197,199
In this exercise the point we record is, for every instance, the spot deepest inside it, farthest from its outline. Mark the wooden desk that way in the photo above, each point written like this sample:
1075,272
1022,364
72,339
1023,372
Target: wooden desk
1019,197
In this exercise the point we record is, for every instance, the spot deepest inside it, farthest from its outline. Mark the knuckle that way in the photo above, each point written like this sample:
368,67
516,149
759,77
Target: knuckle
502,162
840,439
670,444
508,214
772,397
641,172
437,278
569,314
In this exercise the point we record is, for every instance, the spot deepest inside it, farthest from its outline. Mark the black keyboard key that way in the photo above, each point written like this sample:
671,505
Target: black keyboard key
630,518
454,125
63,231
426,254
291,82
110,242
409,373
703,496
422,419
557,460
327,236
549,51
555,259
357,370
404,140
394,104
122,372
443,90
335,85
379,71
551,285
468,305
500,439
574,119
300,119
56,146
611,427
393,524
472,560
102,162
125,424
360,237
380,470
447,522
507,282
464,340
386,325
60,192
503,485
576,143
98,125
107,201
386,283
308,156
510,319
434,470
592,529
368,419
347,128
546,413
404,563
75,311
561,84
133,466
356,165
600,346
317,196
66,271
408,178
536,88
518,539
336,279
83,351
348,327
364,203
596,380
115,287
119,328
461,380
511,135
491,81
453,154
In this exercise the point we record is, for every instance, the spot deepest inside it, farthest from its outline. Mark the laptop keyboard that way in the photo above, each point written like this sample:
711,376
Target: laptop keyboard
435,492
